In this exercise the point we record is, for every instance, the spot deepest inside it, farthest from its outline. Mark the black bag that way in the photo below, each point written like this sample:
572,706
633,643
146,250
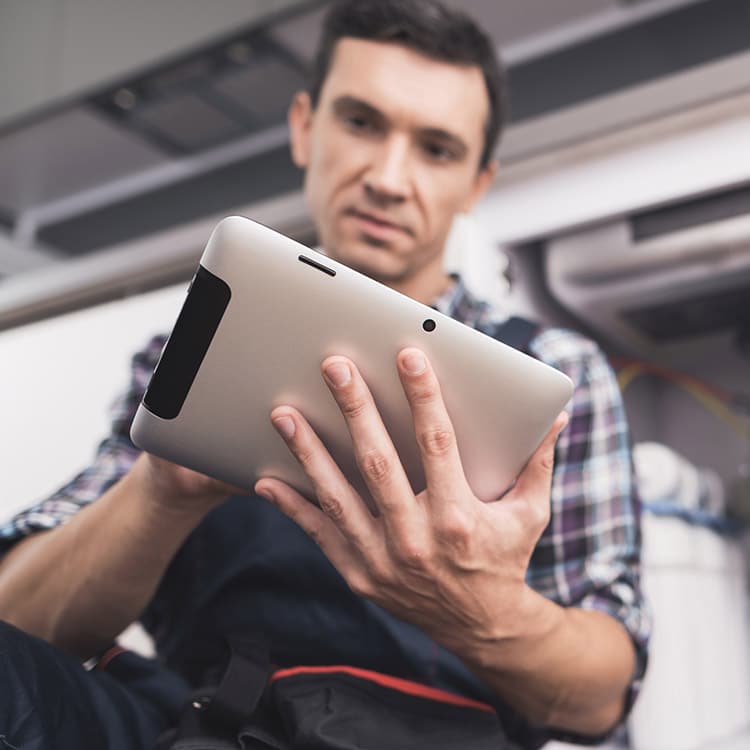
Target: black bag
328,708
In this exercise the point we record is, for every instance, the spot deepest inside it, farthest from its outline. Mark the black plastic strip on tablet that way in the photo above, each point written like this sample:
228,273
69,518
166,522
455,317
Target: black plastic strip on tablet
188,343
315,264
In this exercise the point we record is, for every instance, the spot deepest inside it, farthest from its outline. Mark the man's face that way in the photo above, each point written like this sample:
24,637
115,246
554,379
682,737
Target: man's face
392,153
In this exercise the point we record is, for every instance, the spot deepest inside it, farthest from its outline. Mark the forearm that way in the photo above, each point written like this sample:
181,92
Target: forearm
569,668
79,585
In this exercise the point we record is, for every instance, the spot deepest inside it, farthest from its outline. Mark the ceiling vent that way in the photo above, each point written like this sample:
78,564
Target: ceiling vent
660,276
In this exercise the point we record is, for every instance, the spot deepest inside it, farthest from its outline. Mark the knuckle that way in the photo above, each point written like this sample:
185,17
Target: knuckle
414,555
380,573
538,516
331,505
543,515
456,531
304,455
375,466
359,584
353,407
437,441
315,532
424,393
548,461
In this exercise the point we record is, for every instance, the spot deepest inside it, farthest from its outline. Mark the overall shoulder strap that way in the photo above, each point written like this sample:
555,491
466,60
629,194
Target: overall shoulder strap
516,331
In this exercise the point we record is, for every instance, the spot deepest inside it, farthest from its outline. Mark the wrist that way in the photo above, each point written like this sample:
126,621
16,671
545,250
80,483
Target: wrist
515,640
157,488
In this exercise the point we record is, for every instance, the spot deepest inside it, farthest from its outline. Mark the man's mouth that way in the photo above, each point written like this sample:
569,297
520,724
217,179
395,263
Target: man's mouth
376,225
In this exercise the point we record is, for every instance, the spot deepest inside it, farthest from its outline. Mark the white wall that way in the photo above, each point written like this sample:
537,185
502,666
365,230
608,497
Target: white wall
57,380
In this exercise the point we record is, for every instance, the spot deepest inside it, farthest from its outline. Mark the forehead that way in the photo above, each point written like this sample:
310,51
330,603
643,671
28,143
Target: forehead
406,85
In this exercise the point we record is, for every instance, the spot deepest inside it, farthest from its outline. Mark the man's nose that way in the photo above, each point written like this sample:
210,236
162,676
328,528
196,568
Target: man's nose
388,179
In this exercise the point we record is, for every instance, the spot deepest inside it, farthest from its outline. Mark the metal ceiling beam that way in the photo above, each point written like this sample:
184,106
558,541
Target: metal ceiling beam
585,28
681,97
150,179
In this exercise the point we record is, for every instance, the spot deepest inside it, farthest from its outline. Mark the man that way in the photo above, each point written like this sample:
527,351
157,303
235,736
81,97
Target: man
396,137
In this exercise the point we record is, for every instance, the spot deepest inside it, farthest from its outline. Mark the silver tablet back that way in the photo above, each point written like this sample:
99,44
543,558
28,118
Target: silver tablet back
263,312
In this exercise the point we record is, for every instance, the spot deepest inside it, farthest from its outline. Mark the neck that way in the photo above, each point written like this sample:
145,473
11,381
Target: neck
419,291
426,285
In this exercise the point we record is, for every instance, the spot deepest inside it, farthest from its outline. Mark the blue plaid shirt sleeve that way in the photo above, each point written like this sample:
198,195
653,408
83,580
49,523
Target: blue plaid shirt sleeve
114,458
589,555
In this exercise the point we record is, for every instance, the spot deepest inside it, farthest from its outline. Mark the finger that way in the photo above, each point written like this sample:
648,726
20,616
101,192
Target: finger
307,516
337,498
433,428
533,483
375,454
316,524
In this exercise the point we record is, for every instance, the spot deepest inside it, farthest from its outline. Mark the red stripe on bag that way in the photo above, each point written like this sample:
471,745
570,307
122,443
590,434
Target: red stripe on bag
395,683
103,663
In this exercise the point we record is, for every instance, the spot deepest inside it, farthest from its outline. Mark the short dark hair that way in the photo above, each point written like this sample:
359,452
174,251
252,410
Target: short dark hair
427,27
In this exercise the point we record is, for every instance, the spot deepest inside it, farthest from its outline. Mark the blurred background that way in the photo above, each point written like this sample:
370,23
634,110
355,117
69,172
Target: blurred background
622,208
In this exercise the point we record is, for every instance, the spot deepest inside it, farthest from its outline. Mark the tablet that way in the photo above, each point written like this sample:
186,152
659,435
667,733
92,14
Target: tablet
260,316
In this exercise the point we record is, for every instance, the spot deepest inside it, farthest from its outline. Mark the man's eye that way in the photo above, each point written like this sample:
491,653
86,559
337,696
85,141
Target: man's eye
438,152
357,122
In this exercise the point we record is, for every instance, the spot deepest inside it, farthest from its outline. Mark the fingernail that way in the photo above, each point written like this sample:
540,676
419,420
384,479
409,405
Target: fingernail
339,374
285,425
414,363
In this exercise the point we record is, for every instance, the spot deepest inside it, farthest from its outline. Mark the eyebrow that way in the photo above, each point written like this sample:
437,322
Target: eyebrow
347,103
343,103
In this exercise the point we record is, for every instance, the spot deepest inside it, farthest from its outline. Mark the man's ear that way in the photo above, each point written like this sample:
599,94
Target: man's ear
485,177
300,117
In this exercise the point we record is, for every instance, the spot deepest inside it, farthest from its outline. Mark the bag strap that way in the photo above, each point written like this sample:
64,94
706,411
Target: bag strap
215,714
516,331
245,678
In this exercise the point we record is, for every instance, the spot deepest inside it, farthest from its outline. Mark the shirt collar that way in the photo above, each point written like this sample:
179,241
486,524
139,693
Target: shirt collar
459,303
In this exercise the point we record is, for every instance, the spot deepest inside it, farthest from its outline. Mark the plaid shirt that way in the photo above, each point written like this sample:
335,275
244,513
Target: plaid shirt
589,554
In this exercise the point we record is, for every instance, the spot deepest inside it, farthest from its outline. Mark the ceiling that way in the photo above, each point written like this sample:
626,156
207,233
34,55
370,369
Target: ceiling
202,131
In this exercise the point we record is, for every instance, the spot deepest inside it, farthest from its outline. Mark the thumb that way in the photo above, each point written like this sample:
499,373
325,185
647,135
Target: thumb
534,481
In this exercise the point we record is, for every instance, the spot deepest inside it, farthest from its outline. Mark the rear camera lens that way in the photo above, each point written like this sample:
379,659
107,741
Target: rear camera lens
429,325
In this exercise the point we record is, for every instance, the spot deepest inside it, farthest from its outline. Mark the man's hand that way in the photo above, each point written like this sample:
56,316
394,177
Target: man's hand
442,560
451,564
82,583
